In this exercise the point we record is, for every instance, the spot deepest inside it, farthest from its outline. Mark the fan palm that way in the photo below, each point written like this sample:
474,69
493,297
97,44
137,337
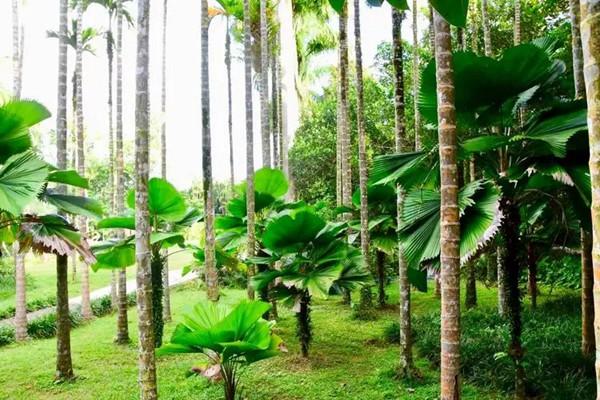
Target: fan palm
228,338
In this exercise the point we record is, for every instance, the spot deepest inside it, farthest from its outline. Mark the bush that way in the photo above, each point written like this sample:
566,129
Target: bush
391,333
7,335
32,305
553,362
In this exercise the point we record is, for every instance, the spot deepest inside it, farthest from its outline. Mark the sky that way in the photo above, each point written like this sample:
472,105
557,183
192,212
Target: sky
183,117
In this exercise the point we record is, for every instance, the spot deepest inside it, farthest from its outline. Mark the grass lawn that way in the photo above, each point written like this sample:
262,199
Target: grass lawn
41,278
348,361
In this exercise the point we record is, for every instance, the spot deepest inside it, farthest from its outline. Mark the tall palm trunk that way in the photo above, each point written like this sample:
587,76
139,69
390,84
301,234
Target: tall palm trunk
249,142
16,51
363,174
275,112
590,39
166,303
86,309
588,344
517,22
146,359
122,323
212,281
415,75
64,366
264,86
450,225
406,365
290,107
229,101
111,133
474,27
20,295
487,33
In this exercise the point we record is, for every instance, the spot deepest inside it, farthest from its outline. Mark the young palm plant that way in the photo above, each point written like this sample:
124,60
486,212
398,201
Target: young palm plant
229,338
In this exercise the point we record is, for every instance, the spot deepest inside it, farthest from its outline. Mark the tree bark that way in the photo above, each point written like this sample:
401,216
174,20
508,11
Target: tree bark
590,39
363,174
532,287
381,297
156,266
61,109
588,343
487,33
122,322
16,51
344,111
304,324
450,224
575,15
111,133
416,75
64,365
229,105
501,254
250,249
517,22
146,359
264,86
406,364
20,295
471,286
275,134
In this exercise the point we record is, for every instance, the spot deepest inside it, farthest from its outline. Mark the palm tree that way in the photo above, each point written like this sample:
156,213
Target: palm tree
207,189
275,123
517,22
264,86
229,106
163,158
590,24
487,33
587,297
406,365
146,359
450,225
249,142
86,309
64,365
122,323
415,74
17,51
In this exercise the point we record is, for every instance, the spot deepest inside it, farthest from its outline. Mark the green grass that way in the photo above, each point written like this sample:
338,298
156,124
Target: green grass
349,360
41,278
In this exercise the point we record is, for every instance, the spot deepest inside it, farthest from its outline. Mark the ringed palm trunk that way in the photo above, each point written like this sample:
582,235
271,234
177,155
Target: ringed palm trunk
86,309
450,224
20,295
275,112
16,51
406,365
212,282
487,34
122,323
64,366
229,105
146,358
517,22
415,75
264,86
590,39
362,138
166,304
250,249
588,344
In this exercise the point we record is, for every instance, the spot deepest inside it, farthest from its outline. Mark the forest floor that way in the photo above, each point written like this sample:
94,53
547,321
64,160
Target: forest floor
349,360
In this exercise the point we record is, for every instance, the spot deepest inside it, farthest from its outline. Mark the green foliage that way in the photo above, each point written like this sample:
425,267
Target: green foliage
21,180
16,117
391,333
164,201
453,11
553,363
560,272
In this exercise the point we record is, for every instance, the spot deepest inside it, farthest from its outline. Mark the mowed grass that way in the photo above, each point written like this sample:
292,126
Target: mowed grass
41,278
349,360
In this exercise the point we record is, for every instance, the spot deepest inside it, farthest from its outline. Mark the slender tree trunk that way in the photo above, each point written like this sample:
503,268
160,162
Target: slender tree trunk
406,365
517,22
275,134
532,288
16,51
111,133
156,266
381,296
501,254
20,295
229,101
264,86
212,281
363,174
290,109
471,286
416,75
487,33
344,103
431,31
86,309
575,14
450,224
122,323
590,39
166,300
512,264
64,365
146,359
588,343
474,28
304,324
249,142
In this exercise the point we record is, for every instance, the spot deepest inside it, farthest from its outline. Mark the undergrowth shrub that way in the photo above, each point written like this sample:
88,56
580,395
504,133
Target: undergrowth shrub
7,335
553,362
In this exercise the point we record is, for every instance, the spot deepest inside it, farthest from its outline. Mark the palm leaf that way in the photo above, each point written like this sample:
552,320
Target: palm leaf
21,180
